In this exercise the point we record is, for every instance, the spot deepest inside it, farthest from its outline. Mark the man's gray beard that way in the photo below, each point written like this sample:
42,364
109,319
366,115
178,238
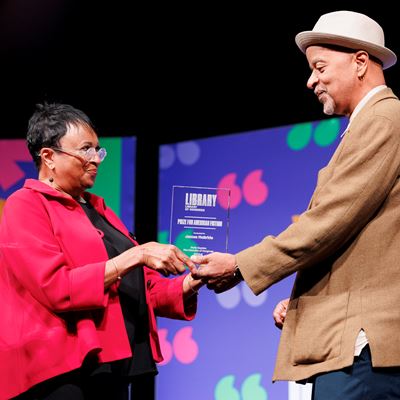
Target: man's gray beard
329,105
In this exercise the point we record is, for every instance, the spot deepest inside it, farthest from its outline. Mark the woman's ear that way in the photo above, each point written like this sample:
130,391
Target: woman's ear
47,156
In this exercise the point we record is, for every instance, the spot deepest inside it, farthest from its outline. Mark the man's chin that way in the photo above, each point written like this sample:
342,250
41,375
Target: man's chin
328,111
328,108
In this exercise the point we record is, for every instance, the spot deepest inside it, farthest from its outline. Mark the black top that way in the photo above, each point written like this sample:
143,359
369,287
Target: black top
133,303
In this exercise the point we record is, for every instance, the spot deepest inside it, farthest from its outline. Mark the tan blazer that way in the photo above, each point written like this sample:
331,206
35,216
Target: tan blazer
346,251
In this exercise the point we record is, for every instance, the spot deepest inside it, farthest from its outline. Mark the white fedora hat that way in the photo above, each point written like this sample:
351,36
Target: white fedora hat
351,30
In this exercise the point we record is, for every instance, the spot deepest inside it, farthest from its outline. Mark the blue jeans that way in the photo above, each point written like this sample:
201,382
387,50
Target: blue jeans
358,382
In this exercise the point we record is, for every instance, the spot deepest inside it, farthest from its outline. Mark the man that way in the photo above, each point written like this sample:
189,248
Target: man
343,314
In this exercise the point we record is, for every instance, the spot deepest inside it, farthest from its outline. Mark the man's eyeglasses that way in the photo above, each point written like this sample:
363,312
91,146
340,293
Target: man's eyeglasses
86,154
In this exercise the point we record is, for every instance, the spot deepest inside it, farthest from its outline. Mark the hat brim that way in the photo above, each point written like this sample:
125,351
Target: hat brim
309,38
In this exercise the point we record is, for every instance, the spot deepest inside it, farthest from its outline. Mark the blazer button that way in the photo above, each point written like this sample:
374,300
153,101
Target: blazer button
148,284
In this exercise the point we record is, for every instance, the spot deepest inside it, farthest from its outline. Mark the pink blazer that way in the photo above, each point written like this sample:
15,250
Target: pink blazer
54,307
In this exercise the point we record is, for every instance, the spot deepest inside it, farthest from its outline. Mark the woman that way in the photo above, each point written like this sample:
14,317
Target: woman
79,295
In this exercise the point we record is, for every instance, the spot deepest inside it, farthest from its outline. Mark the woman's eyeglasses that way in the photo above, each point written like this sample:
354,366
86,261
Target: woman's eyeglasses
86,154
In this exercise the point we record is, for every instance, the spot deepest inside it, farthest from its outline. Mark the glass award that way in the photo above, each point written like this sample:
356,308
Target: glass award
200,219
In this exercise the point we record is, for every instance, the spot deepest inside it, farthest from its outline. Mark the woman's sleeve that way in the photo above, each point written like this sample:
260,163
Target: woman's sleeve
34,257
166,296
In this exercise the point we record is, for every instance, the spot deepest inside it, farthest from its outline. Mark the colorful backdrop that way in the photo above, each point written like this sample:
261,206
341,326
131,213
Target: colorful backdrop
228,351
115,181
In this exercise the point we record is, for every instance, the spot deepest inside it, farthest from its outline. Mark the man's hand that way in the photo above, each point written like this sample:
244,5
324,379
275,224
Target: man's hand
217,270
279,313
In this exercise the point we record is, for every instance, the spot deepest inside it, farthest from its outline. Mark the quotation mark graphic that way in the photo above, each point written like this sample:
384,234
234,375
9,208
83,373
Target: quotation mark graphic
188,153
183,346
254,190
181,241
251,389
325,133
231,298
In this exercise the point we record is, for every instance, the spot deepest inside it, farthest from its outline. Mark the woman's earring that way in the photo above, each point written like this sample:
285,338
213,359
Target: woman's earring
51,179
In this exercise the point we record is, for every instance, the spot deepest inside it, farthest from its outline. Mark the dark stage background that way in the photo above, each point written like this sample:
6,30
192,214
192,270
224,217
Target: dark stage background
164,72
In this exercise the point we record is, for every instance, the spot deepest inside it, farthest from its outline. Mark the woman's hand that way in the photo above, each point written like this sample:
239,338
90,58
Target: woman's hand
164,258
191,286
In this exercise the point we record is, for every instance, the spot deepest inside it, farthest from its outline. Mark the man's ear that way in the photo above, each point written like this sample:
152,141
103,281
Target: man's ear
361,58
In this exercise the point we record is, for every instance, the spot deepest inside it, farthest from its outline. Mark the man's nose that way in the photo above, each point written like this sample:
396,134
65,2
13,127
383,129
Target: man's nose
312,80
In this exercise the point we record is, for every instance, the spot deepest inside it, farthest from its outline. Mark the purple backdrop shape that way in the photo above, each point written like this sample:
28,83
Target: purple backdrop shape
228,352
